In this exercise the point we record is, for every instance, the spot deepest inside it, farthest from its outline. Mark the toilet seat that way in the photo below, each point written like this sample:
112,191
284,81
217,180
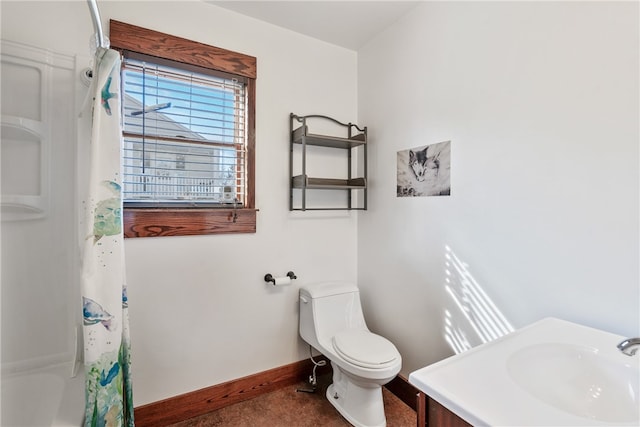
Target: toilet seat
365,349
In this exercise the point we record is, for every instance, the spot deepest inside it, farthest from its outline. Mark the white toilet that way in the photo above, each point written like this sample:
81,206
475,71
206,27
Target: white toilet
331,321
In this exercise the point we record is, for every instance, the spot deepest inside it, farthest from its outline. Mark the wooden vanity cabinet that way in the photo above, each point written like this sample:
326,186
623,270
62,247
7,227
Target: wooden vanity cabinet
432,414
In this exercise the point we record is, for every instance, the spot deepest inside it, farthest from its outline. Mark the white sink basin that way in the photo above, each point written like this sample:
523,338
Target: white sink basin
579,380
550,373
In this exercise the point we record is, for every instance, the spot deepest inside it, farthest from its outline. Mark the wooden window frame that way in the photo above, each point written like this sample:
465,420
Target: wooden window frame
153,222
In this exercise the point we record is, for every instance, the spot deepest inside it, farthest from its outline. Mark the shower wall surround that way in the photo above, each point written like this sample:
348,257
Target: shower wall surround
39,255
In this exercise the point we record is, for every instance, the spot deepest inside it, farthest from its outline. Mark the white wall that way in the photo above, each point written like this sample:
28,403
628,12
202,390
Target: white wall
541,104
201,313
540,101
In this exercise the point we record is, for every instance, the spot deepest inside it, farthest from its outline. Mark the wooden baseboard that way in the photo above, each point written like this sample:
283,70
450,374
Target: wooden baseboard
200,402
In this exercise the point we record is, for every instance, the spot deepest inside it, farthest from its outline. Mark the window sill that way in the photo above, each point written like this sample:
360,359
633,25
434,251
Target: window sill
157,222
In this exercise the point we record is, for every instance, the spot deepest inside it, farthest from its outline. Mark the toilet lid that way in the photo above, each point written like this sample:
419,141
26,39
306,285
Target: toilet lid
363,348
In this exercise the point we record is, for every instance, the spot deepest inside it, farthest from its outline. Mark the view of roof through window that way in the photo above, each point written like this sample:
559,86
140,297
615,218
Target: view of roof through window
184,135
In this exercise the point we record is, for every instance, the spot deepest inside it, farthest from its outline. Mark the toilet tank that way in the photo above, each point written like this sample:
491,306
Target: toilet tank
328,308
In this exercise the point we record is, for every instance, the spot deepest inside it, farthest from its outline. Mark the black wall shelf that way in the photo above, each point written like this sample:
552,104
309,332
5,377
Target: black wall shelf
300,137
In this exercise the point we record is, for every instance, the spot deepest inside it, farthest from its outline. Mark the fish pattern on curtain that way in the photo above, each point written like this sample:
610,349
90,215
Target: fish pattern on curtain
107,362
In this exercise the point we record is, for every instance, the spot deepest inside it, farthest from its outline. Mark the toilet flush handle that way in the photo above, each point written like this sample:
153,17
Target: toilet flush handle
304,300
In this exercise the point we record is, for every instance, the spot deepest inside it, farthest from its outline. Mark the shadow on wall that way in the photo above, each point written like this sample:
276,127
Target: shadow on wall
473,318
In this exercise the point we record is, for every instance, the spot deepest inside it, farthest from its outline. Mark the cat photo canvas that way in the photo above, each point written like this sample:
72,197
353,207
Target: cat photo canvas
425,171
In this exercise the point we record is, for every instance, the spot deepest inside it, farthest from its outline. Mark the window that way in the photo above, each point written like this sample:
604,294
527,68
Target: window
188,130
184,139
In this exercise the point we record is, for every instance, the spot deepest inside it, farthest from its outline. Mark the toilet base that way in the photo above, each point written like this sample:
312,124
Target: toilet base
360,406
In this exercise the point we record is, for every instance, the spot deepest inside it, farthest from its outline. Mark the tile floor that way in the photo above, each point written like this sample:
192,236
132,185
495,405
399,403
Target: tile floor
289,408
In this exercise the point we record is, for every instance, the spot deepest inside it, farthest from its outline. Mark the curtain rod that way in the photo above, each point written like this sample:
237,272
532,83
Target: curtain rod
97,24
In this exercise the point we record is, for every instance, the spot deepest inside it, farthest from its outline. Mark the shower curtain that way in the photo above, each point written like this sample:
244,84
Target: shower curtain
104,295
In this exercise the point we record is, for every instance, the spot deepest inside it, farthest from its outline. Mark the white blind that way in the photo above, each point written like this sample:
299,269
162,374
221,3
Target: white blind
184,136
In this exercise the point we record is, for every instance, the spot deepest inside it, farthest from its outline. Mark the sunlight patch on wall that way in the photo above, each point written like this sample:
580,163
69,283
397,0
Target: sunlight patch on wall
473,318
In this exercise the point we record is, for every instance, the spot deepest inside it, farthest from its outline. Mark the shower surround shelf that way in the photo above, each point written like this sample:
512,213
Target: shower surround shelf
355,146
28,125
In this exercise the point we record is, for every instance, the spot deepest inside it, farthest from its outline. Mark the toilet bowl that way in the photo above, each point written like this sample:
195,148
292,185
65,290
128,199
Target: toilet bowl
332,322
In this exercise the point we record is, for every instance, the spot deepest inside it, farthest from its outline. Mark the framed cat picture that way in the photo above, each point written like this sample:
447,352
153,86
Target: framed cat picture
425,171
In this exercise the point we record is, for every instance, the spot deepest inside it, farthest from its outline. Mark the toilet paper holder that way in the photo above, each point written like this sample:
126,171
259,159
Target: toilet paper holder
270,279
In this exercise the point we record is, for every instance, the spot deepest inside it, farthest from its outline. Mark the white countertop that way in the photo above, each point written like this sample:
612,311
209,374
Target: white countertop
477,386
